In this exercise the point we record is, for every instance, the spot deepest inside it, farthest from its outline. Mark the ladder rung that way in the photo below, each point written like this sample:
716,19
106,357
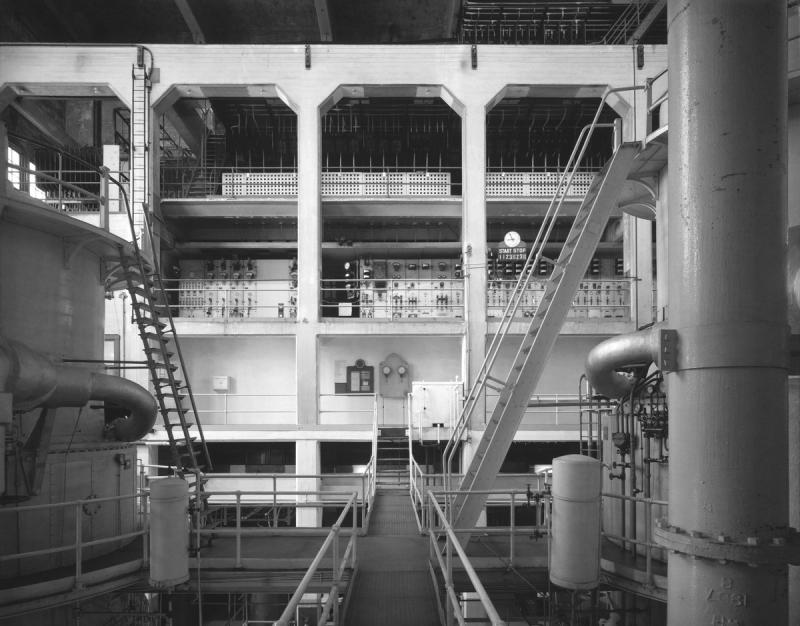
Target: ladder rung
167,381
156,336
176,424
148,321
157,350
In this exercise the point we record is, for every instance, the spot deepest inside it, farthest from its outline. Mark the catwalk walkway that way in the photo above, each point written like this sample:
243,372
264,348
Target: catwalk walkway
393,584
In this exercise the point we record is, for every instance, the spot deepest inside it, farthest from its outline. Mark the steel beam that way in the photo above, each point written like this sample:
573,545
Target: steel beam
324,20
191,21
728,493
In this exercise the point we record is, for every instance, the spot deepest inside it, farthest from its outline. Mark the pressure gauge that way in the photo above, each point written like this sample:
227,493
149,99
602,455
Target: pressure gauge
512,239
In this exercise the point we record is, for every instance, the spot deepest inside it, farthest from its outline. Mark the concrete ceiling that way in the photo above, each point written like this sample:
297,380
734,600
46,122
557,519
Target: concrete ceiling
288,21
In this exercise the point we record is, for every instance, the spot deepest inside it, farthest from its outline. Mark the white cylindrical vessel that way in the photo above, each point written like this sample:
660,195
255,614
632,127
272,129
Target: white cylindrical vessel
575,535
169,532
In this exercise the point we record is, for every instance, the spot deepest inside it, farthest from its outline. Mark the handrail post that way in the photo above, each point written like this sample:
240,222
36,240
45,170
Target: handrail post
274,501
60,183
354,539
511,536
104,199
363,500
336,574
78,545
448,580
146,529
238,529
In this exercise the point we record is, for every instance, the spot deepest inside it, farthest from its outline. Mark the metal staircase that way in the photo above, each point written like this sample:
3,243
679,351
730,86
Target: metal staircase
517,385
150,306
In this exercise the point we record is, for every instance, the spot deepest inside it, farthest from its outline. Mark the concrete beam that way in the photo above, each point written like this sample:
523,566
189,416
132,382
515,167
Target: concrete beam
42,119
191,21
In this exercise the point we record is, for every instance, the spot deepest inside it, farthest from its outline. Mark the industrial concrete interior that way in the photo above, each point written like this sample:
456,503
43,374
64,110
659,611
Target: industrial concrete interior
349,312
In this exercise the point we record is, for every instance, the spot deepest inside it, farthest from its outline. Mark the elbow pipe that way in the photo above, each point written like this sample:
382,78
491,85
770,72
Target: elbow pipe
34,381
611,355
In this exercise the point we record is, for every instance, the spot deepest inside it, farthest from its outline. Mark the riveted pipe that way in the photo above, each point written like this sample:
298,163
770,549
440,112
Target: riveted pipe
727,301
34,381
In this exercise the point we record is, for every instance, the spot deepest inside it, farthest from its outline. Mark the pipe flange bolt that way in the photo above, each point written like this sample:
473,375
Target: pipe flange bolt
776,550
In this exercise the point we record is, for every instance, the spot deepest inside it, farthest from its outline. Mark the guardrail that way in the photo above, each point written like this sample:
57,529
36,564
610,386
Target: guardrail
181,181
657,94
79,545
216,300
226,409
339,561
534,182
596,299
649,547
428,299
551,409
63,181
444,558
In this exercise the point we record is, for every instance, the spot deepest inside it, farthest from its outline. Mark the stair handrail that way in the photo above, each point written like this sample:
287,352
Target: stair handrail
534,256
619,29
452,542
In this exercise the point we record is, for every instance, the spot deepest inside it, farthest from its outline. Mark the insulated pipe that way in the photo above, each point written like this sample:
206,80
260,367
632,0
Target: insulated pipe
727,302
639,348
34,381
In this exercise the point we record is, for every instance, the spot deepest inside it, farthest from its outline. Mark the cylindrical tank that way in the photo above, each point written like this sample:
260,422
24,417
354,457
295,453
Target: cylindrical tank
169,532
52,286
575,536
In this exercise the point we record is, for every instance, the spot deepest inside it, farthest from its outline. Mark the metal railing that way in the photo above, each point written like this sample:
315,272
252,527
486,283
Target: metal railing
231,300
187,180
63,181
514,181
420,180
652,551
237,408
80,545
657,94
349,409
596,299
331,609
180,180
444,558
340,561
409,299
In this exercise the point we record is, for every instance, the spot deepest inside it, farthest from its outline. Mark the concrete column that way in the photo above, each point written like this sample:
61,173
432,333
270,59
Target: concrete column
793,290
727,262
794,491
307,461
474,234
309,259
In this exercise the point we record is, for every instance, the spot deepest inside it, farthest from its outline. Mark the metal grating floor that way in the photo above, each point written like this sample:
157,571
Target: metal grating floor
393,584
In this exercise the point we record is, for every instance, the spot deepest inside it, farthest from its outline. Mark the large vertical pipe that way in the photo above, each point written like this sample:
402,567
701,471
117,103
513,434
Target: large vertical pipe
727,231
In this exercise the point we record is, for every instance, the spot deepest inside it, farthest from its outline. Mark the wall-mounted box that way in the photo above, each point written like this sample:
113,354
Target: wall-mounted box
221,383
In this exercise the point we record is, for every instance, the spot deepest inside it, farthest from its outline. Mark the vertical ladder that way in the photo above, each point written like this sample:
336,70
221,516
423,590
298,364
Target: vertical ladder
139,142
517,386
150,306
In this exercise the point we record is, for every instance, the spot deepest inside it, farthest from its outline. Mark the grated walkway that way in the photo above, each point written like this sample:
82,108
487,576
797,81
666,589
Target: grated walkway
393,584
